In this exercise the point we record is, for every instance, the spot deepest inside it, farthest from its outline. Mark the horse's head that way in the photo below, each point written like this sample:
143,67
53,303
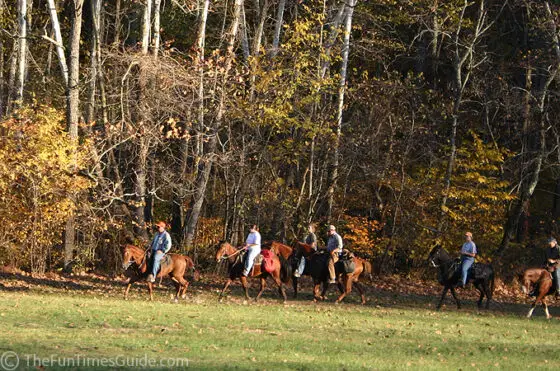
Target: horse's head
529,278
434,257
128,256
223,250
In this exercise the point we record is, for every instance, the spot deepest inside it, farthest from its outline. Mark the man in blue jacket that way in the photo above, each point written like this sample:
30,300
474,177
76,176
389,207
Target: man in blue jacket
468,254
161,244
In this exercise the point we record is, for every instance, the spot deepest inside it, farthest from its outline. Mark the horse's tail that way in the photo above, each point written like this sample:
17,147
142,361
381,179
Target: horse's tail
285,269
190,264
368,270
492,281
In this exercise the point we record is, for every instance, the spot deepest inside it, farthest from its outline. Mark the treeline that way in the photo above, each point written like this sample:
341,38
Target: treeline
401,122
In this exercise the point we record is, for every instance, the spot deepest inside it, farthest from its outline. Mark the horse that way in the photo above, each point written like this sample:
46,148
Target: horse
537,282
317,268
236,266
449,274
285,253
176,270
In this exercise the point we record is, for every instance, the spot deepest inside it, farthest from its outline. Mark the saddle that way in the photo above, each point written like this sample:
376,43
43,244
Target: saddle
346,262
164,262
258,260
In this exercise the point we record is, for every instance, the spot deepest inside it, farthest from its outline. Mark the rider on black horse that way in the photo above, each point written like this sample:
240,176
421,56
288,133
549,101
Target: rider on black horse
468,254
552,254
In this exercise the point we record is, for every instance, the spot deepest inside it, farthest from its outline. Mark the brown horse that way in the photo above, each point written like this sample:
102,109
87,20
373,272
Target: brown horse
176,270
235,270
318,270
537,282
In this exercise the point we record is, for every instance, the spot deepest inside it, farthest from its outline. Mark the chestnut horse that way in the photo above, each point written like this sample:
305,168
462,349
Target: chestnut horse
537,282
317,268
235,271
176,270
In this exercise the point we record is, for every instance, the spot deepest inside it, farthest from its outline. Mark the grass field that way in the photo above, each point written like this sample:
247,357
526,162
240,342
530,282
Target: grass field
40,323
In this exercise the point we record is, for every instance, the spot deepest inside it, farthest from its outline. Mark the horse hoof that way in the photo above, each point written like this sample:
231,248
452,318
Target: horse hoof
337,302
175,300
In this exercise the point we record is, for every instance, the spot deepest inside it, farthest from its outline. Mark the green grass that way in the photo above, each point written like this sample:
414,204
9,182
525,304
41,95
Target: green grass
270,335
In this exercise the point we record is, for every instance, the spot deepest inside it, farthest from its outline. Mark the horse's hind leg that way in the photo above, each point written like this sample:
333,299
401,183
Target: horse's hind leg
481,290
151,290
548,316
281,288
294,285
360,291
532,309
263,285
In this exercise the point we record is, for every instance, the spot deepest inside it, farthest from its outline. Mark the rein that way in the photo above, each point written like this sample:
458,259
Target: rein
225,257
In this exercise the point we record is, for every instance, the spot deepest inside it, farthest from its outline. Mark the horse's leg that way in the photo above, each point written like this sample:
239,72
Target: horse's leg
455,297
224,289
294,285
316,285
443,293
324,292
488,290
545,306
361,291
263,285
347,285
128,285
151,290
245,287
185,287
280,286
480,289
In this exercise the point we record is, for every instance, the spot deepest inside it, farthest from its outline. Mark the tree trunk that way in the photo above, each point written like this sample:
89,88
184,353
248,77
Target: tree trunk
58,39
278,28
157,25
341,92
146,26
73,113
22,50
204,174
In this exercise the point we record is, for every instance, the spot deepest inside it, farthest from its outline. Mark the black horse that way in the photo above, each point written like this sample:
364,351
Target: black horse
449,274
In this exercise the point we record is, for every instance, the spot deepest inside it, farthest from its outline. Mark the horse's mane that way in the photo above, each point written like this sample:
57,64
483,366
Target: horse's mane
132,247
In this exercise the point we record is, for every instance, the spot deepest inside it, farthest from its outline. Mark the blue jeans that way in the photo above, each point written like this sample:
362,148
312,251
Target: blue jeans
301,266
556,276
466,263
158,255
252,253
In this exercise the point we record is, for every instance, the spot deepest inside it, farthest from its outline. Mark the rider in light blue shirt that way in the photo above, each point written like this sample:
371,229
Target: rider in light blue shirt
253,247
468,254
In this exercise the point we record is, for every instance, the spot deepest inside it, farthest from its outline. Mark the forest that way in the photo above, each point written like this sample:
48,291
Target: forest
404,123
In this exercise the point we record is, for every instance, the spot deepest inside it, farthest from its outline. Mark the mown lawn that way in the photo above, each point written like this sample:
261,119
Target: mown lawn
269,335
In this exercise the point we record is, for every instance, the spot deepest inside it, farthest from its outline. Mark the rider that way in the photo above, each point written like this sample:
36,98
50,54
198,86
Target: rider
468,254
552,259
334,247
310,240
161,244
253,247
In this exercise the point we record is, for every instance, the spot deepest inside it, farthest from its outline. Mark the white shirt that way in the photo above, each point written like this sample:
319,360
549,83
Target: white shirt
254,238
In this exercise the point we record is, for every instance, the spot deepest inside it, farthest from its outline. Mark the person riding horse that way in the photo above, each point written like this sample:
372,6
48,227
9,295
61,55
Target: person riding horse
161,244
253,247
334,247
552,254
310,240
468,255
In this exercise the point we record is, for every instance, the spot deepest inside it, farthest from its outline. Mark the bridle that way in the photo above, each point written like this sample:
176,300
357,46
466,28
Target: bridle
432,259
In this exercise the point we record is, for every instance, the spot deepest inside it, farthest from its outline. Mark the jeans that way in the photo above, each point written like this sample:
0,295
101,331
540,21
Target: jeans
252,253
556,276
158,255
301,266
466,263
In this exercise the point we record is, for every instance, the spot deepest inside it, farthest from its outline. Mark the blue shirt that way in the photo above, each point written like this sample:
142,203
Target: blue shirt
161,242
254,238
335,242
468,248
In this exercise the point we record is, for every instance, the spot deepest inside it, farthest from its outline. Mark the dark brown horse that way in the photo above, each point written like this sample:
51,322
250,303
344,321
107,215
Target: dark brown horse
235,270
176,270
537,282
317,268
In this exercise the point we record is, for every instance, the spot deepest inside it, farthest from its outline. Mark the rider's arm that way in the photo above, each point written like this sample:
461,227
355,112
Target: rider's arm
167,242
